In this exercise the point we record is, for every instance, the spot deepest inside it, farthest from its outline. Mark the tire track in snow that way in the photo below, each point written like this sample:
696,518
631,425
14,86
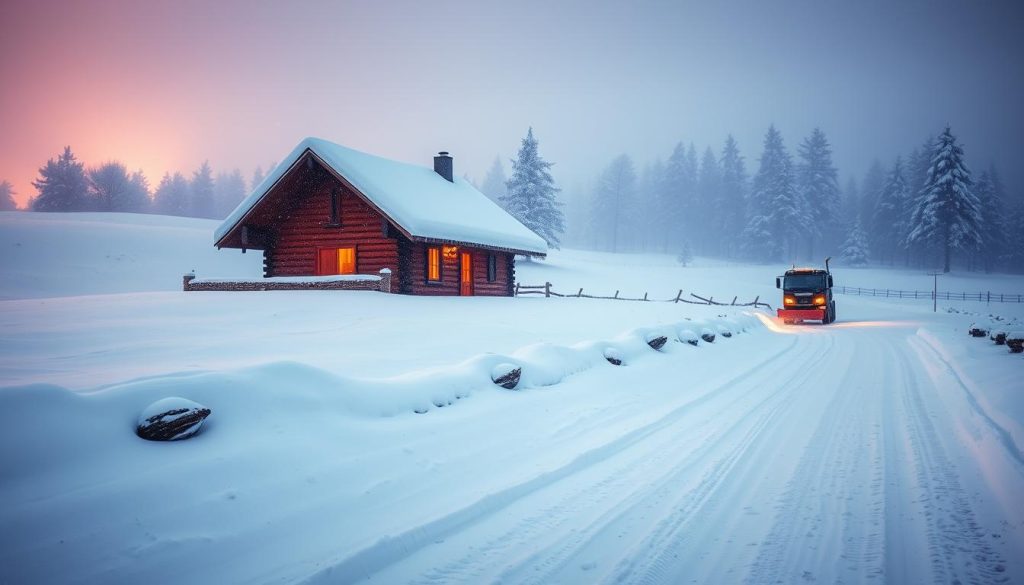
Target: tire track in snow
829,521
390,550
545,542
958,549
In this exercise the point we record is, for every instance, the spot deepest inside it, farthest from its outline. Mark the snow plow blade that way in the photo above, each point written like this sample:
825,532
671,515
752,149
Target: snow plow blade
802,314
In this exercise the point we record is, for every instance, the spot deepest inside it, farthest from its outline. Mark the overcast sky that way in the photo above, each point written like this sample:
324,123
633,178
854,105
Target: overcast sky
165,85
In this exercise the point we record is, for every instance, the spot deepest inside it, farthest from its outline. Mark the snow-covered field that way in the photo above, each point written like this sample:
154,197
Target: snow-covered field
886,447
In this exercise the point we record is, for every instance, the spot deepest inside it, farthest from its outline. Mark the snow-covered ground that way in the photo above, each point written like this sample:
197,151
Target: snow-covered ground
886,447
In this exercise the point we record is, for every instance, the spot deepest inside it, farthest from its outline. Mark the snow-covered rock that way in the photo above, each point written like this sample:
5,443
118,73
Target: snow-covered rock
506,375
707,335
657,341
171,419
613,356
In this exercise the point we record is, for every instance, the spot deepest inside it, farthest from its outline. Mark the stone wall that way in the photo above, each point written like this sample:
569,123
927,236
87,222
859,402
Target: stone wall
380,283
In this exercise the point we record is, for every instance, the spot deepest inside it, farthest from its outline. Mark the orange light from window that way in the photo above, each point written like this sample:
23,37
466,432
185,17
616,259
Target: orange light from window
450,252
433,264
346,260
819,300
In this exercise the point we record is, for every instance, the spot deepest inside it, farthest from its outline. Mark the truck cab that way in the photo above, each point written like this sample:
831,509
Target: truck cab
806,295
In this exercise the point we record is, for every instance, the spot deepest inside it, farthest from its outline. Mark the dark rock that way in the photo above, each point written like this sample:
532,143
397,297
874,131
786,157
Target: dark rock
707,335
506,375
687,336
978,330
1015,341
171,419
999,337
613,356
657,342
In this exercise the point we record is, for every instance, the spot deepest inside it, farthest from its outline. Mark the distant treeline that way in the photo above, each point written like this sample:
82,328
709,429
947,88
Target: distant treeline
65,184
924,210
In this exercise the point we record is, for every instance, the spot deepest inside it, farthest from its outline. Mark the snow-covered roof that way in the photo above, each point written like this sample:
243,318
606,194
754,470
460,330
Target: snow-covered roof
417,199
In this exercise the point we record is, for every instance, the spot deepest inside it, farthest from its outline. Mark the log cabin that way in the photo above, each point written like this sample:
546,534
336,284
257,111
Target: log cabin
328,209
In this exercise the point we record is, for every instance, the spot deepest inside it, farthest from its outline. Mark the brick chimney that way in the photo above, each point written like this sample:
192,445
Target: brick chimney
443,165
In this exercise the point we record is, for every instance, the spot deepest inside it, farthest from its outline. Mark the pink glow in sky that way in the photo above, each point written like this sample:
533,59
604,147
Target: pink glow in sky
164,85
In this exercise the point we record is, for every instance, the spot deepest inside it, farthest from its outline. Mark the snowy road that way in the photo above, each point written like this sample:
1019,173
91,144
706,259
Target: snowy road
852,454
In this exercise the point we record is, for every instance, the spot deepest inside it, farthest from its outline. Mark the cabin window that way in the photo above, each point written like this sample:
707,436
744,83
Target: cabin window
433,264
492,267
346,260
335,219
332,261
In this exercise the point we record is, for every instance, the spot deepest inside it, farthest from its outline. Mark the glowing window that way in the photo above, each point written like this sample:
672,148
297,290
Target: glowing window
434,264
346,260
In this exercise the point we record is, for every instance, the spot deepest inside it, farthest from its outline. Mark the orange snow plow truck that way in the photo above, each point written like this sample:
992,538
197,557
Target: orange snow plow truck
807,295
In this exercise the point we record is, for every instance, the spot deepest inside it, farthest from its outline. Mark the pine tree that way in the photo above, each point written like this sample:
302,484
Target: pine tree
494,185
138,199
709,185
113,189
732,202
676,198
855,249
693,218
890,217
870,191
851,204
228,192
775,211
651,222
1014,256
948,213
532,195
615,188
818,183
172,195
201,201
7,202
993,230
257,177
62,185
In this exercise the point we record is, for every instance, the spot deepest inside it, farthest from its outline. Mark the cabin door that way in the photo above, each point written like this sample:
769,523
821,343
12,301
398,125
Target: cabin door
466,274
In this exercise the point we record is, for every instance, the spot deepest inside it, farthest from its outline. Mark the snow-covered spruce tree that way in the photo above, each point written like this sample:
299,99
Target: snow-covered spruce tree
1014,256
890,218
113,189
172,195
870,191
532,195
948,214
733,197
678,187
62,185
615,188
855,249
494,185
650,223
685,254
228,192
993,230
257,177
775,214
7,202
918,163
201,202
709,184
851,204
818,183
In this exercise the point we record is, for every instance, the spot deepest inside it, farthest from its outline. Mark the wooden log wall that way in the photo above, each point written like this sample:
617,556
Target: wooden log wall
306,228
414,267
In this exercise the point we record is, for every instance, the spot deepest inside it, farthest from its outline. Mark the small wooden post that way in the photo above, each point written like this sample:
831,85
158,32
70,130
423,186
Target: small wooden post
645,295
616,295
579,294
678,295
734,301
517,289
547,290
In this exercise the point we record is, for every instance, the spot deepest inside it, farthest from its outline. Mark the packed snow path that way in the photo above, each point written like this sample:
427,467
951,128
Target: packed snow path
841,457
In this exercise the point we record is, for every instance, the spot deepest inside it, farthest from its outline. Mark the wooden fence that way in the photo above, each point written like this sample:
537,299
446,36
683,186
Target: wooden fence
986,297
546,290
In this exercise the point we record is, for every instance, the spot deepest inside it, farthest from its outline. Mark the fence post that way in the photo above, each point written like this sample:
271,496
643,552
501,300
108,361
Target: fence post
579,294
616,295
678,295
734,301
547,290
517,289
645,295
